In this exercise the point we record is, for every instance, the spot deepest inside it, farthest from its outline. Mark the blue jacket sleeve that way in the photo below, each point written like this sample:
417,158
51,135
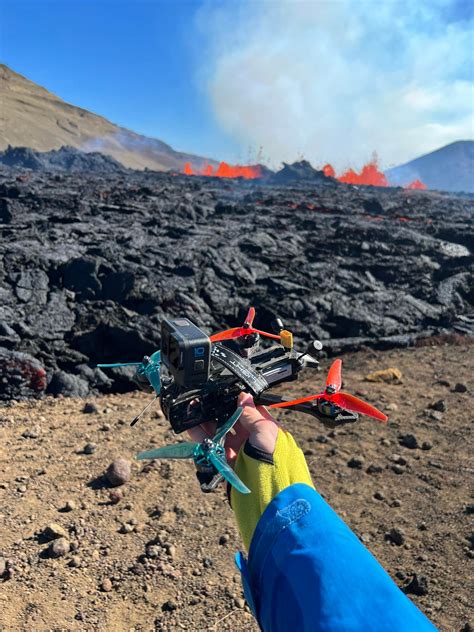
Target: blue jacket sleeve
308,572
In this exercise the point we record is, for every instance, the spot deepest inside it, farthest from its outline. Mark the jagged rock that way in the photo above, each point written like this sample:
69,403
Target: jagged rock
67,159
21,375
90,264
418,585
68,385
53,531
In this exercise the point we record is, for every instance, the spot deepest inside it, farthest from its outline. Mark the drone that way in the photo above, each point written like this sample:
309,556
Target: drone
198,379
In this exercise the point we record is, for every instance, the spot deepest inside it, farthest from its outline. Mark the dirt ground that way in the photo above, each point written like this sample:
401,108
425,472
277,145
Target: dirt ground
161,558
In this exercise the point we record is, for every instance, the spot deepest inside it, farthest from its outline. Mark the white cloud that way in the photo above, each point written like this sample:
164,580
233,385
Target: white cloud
335,80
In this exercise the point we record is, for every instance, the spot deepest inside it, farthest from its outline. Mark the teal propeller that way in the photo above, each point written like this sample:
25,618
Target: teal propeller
149,367
209,452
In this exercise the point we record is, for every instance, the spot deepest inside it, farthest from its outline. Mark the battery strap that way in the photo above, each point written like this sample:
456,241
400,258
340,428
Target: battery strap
241,368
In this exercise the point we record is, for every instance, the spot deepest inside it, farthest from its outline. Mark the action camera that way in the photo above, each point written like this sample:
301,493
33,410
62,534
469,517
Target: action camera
185,351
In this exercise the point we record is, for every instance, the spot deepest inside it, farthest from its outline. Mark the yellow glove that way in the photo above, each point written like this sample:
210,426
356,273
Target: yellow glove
266,475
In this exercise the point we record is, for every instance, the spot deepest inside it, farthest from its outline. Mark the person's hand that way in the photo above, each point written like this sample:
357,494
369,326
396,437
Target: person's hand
255,424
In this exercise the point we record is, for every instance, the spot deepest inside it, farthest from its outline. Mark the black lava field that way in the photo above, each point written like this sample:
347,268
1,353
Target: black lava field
91,263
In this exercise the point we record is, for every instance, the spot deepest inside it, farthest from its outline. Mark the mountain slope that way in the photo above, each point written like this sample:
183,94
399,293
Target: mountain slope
30,116
450,168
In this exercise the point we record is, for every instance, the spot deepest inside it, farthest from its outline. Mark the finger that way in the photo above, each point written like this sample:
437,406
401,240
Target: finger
199,433
245,399
231,456
265,414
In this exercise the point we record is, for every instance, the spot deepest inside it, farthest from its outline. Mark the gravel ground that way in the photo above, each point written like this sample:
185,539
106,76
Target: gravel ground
156,554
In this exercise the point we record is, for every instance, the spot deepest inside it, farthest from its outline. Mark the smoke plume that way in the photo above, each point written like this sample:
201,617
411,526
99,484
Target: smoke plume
335,80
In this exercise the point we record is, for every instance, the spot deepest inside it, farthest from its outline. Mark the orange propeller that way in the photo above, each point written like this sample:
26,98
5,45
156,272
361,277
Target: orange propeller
245,330
333,394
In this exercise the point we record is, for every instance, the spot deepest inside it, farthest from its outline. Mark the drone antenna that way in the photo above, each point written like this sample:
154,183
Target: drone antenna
135,419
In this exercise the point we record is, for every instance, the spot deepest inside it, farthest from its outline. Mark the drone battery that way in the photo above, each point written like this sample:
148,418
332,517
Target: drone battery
185,351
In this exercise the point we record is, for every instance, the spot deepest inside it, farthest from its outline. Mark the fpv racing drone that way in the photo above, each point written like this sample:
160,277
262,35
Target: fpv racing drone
198,379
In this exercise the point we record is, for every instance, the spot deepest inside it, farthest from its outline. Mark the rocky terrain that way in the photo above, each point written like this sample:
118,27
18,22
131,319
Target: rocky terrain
65,159
90,265
78,554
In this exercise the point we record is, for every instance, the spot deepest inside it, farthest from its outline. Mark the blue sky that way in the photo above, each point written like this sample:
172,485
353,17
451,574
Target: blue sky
133,62
332,80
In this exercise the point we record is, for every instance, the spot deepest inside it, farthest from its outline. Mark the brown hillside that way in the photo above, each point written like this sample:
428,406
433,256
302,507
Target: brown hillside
30,116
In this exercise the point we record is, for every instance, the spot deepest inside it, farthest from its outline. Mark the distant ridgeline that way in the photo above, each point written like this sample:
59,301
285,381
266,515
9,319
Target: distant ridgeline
65,159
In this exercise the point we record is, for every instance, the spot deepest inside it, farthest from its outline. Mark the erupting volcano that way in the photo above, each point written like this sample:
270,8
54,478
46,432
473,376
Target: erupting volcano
249,172
370,174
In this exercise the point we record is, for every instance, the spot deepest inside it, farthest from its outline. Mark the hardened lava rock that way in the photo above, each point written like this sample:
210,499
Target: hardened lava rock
90,263
21,376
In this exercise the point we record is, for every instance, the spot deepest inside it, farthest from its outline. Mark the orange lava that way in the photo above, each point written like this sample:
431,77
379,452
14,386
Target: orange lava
416,184
329,171
369,174
224,170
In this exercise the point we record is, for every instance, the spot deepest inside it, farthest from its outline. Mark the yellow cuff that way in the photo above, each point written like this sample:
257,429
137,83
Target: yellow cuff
265,481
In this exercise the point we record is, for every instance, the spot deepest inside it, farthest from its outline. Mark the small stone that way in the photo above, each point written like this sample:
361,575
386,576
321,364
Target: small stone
239,602
89,448
426,445
408,441
460,388
106,585
379,496
171,550
396,458
390,376
417,586
224,538
398,469
356,462
374,469
119,471
321,439
392,406
440,405
105,427
385,442
32,433
59,547
90,408
22,489
115,496
75,561
169,606
3,566
436,415
400,575
95,555
396,503
207,562
422,526
53,531
126,528
152,551
69,506
396,535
